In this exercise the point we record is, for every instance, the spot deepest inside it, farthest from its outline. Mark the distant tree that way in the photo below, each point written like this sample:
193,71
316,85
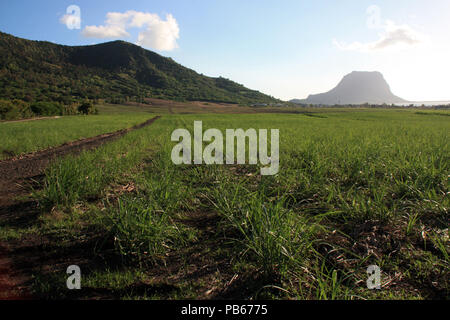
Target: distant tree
16,109
46,108
87,107
6,110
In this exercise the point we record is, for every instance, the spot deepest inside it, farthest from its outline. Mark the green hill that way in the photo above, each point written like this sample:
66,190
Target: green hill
116,71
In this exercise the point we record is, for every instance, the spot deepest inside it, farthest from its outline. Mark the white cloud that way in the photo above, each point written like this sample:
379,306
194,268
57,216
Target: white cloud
158,34
102,32
393,36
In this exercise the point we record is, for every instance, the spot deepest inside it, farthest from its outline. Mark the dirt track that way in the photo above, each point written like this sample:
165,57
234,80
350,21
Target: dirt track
17,173
17,177
31,119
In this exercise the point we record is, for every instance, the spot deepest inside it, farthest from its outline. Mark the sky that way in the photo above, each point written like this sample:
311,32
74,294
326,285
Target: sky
285,48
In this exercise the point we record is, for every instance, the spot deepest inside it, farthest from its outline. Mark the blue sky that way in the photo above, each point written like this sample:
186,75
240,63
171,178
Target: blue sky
285,48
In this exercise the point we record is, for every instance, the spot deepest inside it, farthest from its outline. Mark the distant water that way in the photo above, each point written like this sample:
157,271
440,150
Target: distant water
426,103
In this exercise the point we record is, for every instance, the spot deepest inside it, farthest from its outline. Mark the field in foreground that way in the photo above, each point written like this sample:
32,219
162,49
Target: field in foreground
355,188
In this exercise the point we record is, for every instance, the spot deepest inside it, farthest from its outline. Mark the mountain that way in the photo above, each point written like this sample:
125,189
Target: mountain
116,71
356,88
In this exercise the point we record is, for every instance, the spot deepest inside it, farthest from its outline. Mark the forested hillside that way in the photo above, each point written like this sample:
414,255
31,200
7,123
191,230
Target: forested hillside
35,71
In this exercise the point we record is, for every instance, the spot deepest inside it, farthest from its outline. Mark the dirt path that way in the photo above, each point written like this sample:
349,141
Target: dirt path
31,119
17,177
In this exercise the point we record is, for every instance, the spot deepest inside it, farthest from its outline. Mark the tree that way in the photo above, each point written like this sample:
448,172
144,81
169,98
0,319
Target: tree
87,108
46,108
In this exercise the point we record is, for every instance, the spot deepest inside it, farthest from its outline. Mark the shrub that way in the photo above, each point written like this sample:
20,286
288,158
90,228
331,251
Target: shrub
16,109
87,108
46,108
70,110
6,108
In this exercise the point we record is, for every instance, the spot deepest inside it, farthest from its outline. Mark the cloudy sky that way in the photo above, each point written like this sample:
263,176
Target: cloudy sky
285,48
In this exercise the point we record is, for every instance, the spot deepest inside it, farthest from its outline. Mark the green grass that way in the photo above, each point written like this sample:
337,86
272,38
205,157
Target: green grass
355,188
24,137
